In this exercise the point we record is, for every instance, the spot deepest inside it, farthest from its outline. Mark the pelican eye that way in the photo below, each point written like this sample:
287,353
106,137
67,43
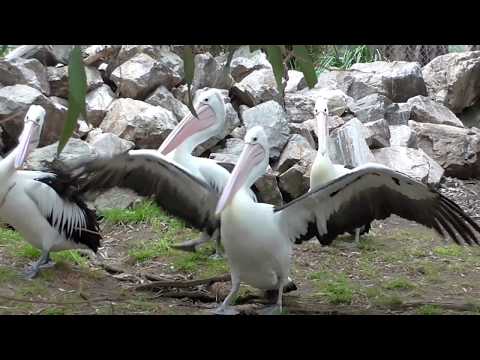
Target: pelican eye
206,100
254,139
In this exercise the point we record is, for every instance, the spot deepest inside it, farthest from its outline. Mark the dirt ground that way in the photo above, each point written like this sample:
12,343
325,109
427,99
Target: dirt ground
399,268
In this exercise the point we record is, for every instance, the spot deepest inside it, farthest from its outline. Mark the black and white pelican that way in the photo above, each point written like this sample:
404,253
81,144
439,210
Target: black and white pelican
258,237
47,212
323,169
188,134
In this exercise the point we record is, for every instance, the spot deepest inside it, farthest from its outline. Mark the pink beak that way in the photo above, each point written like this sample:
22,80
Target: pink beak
252,155
187,127
24,144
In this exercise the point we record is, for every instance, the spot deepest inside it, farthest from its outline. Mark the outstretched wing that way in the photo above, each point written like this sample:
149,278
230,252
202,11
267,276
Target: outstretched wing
372,192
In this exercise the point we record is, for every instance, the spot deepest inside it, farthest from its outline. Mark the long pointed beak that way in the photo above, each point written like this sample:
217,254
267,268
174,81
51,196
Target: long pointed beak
187,127
322,132
24,144
251,156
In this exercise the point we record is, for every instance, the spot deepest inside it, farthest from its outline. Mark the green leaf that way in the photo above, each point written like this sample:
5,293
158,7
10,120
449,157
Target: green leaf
189,69
274,56
305,64
77,90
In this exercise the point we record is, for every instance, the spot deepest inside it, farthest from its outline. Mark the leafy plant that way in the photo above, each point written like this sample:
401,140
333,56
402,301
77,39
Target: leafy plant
3,50
334,59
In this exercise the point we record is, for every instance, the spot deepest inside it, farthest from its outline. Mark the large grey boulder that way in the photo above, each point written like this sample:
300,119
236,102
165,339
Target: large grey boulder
74,154
29,72
273,119
14,103
456,149
97,103
245,62
58,80
299,108
377,134
209,72
164,98
371,107
426,110
402,135
398,113
297,148
413,162
296,81
454,79
146,125
257,87
108,145
296,180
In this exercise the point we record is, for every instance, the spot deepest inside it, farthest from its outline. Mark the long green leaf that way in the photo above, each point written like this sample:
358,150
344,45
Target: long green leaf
77,90
305,64
274,56
189,69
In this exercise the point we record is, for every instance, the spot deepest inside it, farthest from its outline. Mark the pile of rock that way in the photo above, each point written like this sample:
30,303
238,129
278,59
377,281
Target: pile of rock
402,115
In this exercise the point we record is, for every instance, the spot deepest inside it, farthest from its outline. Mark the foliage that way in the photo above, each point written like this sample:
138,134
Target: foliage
335,59
3,50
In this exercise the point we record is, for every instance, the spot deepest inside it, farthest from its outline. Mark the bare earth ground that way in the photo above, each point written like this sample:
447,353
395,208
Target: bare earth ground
400,268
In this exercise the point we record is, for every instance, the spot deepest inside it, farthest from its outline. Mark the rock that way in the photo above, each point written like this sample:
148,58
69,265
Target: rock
471,116
136,77
29,72
267,185
116,198
245,62
58,79
370,108
296,81
306,130
230,152
412,162
83,129
14,103
181,93
257,88
74,154
295,181
100,53
272,118
97,103
170,68
457,150
164,98
297,148
337,101
146,125
378,134
426,110
402,135
299,108
107,145
397,80
398,113
349,147
454,79
210,73
48,55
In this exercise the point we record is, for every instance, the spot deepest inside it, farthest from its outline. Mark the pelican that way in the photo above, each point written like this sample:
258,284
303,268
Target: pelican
323,170
190,133
47,212
258,238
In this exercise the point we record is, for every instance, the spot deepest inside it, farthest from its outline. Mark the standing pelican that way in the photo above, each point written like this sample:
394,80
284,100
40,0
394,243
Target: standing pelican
47,212
258,238
323,170
191,132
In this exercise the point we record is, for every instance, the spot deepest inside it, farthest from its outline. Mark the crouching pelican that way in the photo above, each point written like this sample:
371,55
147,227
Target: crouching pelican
323,170
258,238
47,212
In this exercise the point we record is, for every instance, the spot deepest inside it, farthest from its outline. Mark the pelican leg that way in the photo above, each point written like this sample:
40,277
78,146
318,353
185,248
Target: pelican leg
277,308
191,245
218,255
357,236
42,263
225,308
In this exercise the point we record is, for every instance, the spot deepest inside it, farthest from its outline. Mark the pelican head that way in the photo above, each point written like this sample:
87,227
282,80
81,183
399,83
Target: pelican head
211,121
321,117
30,136
252,164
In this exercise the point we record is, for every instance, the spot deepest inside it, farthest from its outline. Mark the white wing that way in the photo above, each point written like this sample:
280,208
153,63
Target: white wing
367,193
